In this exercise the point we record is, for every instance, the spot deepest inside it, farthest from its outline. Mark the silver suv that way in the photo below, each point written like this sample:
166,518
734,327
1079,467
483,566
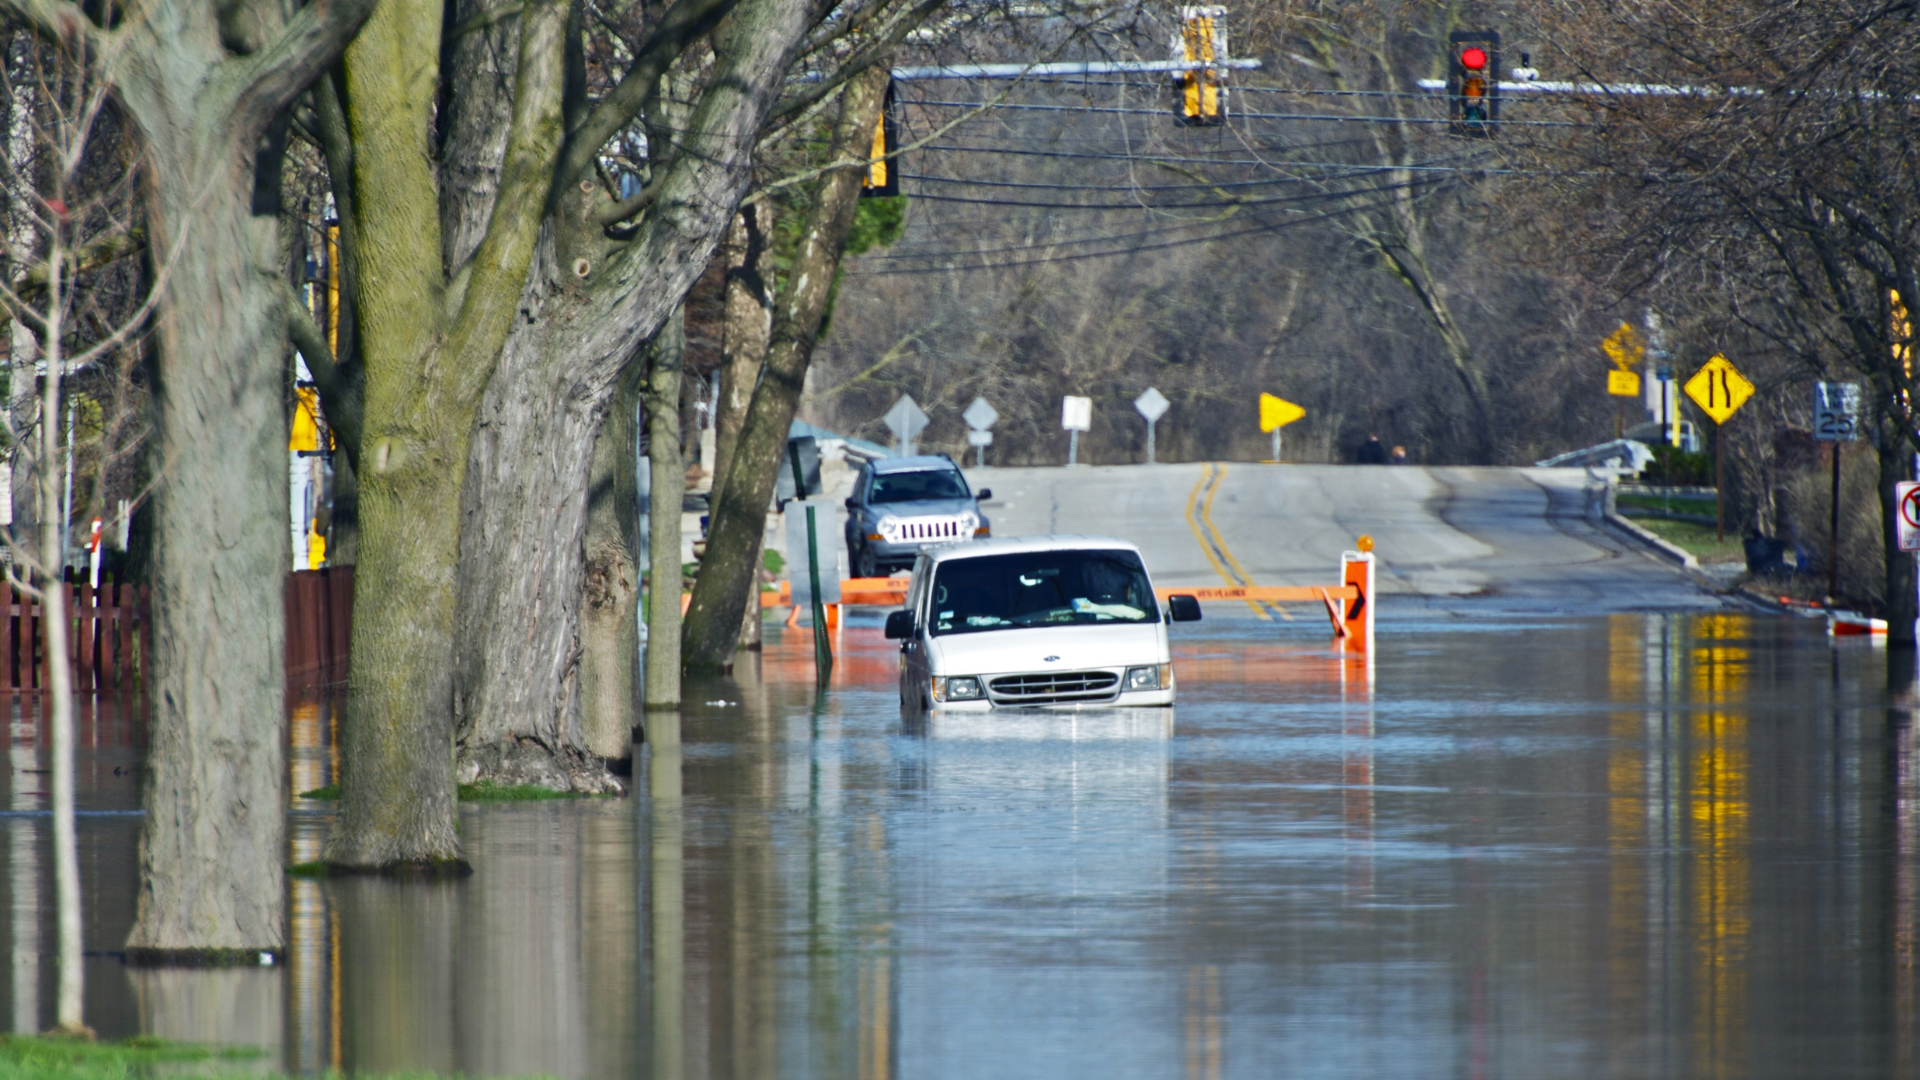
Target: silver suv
901,505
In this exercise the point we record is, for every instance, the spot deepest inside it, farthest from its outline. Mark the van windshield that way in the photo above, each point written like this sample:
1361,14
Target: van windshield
917,485
1040,588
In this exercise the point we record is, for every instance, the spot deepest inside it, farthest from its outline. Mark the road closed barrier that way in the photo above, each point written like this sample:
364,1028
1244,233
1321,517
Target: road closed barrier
1349,605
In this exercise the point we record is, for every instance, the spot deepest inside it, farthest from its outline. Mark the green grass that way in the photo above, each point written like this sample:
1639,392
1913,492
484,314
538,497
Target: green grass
52,1058
1696,539
43,1057
484,791
1679,504
488,791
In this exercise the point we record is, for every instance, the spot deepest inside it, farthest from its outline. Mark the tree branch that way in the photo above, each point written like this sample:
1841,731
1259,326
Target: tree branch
341,395
874,51
684,22
263,83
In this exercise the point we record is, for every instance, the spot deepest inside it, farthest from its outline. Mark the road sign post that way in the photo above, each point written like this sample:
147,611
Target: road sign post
1836,419
906,421
1276,413
1719,389
1076,416
979,417
822,645
1152,405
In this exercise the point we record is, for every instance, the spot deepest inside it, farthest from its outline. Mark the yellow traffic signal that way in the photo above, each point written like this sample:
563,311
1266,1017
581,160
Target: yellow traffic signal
1203,39
883,173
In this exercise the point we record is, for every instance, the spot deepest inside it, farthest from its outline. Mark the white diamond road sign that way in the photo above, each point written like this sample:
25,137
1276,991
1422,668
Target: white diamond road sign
980,415
905,420
1836,411
1152,404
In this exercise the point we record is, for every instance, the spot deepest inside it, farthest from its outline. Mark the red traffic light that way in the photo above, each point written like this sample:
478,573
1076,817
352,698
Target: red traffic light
1474,59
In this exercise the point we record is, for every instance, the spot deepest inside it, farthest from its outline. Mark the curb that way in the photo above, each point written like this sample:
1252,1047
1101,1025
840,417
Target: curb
1664,549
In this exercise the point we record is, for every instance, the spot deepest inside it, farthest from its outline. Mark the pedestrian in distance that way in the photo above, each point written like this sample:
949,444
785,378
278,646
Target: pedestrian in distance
1399,456
1371,452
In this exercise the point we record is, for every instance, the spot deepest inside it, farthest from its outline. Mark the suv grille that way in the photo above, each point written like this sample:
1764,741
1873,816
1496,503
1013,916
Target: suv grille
1051,687
932,528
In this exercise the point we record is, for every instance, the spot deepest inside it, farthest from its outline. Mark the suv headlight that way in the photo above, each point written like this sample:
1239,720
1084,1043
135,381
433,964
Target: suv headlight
1153,677
959,688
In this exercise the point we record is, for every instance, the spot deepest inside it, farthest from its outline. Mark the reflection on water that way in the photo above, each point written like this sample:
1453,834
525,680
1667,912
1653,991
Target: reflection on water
1631,846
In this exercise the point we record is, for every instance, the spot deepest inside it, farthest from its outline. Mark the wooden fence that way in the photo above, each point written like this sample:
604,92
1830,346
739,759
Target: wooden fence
113,633
107,622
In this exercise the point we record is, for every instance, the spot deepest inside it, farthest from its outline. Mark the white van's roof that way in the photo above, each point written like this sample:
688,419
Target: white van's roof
1014,545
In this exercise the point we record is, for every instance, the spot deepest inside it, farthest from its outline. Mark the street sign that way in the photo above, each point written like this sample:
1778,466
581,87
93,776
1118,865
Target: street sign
1625,348
1906,496
1152,404
1836,411
1076,413
979,438
906,421
1276,413
1719,388
980,415
1623,383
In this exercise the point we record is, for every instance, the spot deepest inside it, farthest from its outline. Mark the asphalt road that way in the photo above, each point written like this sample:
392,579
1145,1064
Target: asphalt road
1448,540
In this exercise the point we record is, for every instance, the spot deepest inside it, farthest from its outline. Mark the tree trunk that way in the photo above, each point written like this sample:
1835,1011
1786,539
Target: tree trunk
609,626
748,322
727,577
749,319
212,844
1896,464
668,486
213,840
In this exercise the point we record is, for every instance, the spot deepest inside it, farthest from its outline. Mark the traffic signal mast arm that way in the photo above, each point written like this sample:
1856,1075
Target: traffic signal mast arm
1112,67
1622,89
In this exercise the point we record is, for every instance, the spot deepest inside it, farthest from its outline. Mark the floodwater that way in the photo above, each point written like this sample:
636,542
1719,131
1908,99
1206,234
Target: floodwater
1629,845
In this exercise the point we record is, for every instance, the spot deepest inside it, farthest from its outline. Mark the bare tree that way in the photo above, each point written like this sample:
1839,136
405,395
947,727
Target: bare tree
62,296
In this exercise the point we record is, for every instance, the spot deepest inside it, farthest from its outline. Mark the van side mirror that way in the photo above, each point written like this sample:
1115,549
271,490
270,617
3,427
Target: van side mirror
849,504
983,494
900,625
1183,608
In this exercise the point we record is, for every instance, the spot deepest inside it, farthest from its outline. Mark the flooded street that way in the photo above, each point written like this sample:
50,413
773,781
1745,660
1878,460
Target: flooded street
1624,845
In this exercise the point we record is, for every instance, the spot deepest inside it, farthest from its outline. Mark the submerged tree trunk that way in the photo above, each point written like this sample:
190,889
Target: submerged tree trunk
668,486
610,611
727,577
749,320
1896,464
212,843
523,538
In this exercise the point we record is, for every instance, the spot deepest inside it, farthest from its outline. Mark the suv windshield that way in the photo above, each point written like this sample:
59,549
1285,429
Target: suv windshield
1041,588
914,486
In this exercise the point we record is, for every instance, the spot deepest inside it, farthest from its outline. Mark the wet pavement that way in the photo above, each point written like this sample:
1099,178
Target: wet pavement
1632,845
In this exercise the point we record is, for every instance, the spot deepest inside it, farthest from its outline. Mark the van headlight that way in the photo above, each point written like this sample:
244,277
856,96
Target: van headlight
959,688
1152,677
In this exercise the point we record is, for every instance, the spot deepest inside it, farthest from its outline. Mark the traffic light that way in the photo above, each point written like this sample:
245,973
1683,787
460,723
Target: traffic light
883,175
1201,99
1473,81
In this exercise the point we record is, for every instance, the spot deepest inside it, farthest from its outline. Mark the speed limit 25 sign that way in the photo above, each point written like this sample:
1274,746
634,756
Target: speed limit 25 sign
1836,411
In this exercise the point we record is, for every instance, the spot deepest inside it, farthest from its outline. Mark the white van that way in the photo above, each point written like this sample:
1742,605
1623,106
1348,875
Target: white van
1034,621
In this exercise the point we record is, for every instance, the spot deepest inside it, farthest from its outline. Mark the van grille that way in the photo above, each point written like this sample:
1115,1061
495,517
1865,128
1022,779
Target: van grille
931,528
1054,687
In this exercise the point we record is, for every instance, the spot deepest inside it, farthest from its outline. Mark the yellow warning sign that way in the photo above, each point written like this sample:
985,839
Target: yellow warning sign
1719,388
1276,413
1623,383
1625,348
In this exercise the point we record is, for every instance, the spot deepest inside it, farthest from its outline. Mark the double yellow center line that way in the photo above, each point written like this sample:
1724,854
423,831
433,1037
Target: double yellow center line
1212,545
